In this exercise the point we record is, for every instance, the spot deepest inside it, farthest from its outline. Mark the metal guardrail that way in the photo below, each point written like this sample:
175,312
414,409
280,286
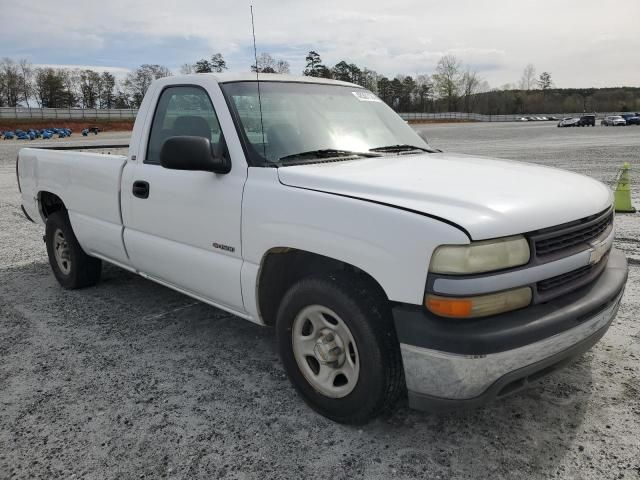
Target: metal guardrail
478,117
24,113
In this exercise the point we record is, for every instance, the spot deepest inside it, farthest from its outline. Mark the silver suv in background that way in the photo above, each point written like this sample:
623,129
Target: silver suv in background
613,121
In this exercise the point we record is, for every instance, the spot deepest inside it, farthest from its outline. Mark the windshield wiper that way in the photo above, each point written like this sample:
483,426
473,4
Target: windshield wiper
401,148
327,153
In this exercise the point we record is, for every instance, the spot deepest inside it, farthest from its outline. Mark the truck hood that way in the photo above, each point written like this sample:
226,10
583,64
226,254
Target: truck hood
486,197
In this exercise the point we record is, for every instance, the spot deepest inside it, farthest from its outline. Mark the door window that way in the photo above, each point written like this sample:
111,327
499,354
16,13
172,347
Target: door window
182,111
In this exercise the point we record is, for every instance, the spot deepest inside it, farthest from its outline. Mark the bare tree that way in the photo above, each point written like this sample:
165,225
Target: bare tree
265,64
470,87
11,81
484,86
187,68
137,82
424,91
370,79
26,80
447,80
282,66
121,97
528,79
268,64
2,88
71,79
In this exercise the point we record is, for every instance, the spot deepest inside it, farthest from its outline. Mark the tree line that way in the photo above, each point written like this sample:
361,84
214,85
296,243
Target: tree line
22,84
452,86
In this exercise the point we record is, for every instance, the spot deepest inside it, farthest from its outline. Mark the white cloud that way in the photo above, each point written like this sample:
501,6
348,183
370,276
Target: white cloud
581,42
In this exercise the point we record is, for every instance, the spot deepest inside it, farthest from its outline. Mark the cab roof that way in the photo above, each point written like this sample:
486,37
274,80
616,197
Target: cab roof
266,77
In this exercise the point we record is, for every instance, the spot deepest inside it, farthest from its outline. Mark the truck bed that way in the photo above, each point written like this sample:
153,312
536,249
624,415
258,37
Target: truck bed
89,185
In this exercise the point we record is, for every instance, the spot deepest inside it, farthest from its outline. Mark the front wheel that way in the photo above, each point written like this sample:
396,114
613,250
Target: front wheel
339,348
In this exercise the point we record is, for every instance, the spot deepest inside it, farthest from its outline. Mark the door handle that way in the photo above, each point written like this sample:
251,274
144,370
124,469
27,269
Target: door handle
141,189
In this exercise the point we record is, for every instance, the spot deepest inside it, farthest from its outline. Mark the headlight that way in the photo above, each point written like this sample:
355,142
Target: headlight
479,257
480,306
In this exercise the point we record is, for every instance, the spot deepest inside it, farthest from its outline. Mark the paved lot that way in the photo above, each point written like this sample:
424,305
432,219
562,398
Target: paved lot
131,380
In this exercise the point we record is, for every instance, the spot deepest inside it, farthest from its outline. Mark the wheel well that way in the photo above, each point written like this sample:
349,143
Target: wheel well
49,203
282,267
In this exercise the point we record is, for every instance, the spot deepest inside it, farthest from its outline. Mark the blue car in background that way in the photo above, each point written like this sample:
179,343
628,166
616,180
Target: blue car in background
631,118
33,133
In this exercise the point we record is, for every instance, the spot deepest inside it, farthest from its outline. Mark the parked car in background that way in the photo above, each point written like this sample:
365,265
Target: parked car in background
553,119
587,121
631,118
613,121
569,122
95,129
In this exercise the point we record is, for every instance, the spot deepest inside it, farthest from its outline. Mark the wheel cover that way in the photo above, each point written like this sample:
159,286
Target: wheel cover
61,252
325,351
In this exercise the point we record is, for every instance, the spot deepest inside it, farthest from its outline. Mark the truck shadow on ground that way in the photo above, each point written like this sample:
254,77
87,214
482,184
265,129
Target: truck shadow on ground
129,376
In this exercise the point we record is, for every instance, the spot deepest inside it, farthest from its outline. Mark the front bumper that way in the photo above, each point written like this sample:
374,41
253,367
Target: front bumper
457,363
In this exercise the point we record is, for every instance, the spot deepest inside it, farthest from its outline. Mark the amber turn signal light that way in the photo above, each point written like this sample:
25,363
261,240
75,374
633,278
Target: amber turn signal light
480,306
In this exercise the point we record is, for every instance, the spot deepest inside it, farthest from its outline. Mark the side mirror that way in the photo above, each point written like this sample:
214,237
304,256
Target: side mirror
192,153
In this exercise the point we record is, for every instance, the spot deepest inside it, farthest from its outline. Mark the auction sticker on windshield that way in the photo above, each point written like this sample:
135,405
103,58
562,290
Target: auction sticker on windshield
366,97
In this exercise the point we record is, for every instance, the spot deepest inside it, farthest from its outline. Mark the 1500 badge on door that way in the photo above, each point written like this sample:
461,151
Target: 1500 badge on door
226,248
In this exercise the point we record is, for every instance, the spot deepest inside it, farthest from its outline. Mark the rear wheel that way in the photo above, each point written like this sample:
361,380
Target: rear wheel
72,267
339,348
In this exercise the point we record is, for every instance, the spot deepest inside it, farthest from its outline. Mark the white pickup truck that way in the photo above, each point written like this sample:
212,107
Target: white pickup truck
387,267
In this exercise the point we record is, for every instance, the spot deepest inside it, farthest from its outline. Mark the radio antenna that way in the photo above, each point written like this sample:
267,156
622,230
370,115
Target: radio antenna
255,55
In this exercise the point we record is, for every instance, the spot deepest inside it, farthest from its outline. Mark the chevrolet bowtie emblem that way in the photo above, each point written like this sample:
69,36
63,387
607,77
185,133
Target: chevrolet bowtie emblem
598,250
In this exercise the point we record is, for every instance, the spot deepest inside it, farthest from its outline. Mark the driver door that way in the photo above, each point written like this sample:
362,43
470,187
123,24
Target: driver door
182,228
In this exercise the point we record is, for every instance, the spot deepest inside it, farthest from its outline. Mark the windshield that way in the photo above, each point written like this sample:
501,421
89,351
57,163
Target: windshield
315,121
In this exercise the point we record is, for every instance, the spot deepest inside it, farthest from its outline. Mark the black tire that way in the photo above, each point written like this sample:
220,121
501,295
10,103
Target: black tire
78,269
362,307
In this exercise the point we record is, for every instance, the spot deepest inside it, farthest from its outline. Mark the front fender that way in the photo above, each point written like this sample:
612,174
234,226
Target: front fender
394,246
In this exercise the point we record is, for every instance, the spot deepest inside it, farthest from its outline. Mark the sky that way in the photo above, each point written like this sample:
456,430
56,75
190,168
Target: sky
582,43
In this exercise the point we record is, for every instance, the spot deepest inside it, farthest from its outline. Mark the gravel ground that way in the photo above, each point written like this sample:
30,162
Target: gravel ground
129,379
